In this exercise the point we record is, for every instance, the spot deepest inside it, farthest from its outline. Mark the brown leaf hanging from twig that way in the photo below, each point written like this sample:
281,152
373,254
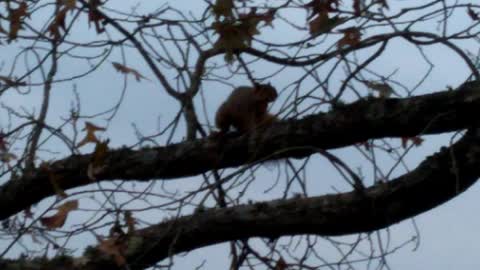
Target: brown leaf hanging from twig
351,37
15,18
126,70
57,220
90,136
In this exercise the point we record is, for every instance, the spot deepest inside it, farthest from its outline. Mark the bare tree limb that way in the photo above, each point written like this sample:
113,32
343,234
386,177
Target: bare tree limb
440,112
439,178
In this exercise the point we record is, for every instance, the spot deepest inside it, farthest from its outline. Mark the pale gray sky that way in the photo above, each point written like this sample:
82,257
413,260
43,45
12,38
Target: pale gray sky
448,233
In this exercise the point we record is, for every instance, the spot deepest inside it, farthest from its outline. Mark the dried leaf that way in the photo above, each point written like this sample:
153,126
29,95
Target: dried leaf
234,35
323,24
90,137
91,127
351,37
100,152
126,70
473,15
57,220
70,4
317,7
15,17
238,34
269,16
416,140
11,82
58,22
318,23
223,8
94,16
3,143
281,264
96,166
357,7
252,19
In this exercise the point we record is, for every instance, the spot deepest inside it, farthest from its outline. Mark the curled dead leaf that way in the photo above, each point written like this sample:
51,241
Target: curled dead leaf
281,264
100,153
95,16
320,6
472,14
351,37
11,82
127,70
90,136
323,23
96,166
223,8
58,23
58,220
70,4
15,18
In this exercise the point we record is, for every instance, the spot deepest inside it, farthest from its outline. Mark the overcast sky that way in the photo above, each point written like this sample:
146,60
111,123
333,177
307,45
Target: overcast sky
449,237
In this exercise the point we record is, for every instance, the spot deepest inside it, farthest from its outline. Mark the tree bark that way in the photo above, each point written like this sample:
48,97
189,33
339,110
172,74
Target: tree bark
373,118
436,180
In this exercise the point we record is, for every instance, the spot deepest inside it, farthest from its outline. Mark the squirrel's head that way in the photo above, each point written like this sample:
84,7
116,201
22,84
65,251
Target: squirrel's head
265,92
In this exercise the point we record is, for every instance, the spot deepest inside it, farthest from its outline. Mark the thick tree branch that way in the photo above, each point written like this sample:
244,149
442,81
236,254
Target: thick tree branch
436,180
365,119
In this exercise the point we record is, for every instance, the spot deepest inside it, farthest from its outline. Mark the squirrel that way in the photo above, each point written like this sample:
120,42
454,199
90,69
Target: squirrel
246,108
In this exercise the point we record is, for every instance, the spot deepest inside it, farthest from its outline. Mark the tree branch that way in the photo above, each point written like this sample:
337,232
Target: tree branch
436,180
440,112
441,176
